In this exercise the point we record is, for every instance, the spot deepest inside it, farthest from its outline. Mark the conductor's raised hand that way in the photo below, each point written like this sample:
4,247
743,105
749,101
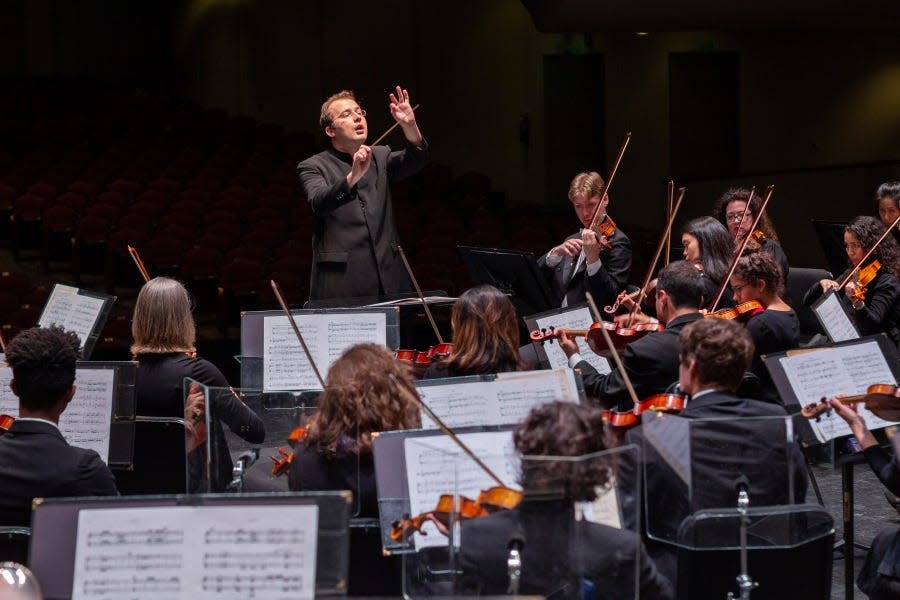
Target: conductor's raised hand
401,109
362,159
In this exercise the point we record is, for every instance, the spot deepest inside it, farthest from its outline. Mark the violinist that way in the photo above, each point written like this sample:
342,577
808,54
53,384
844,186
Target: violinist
732,211
757,277
560,555
651,361
879,577
588,261
710,248
35,459
485,335
873,301
714,354
887,204
360,397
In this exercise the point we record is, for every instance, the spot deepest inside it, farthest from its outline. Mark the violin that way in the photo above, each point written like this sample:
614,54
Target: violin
742,312
880,399
424,358
6,422
621,335
865,276
284,458
488,502
666,403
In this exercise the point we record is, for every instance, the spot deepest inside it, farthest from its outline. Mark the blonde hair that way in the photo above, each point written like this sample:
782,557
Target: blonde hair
589,183
325,119
162,320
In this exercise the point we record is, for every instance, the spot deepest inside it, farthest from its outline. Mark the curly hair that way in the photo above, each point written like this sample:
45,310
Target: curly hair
716,245
43,365
485,333
867,230
720,209
361,396
564,429
162,320
721,350
756,266
325,119
588,183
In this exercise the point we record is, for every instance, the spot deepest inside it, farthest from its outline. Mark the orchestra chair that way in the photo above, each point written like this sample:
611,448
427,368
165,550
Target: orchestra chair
14,544
789,553
800,279
161,438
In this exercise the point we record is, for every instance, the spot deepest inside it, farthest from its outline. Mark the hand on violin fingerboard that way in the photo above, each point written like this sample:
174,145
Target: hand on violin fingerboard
567,344
593,245
857,424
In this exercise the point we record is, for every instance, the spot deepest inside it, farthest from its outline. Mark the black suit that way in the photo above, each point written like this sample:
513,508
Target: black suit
559,552
354,233
604,285
720,452
37,462
651,363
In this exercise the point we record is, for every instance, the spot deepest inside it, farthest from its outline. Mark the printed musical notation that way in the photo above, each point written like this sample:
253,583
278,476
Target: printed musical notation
435,465
504,401
122,553
834,318
285,366
827,372
72,311
576,318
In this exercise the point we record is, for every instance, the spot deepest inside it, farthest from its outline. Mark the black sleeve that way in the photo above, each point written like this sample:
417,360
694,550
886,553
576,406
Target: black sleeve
880,301
228,407
612,277
323,196
94,477
884,467
406,162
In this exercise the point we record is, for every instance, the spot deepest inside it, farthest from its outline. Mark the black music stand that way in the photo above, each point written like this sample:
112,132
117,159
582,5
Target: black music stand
512,272
831,237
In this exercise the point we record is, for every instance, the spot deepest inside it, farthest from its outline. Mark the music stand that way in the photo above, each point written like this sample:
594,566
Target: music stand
831,237
513,272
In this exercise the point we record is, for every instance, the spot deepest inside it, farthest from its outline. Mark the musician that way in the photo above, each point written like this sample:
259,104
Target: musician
879,577
561,557
758,277
361,396
588,261
731,210
875,308
887,205
164,335
714,354
485,335
35,459
651,361
348,188
710,248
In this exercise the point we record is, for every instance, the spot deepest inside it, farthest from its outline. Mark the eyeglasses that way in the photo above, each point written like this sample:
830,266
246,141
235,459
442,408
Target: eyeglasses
852,246
735,217
737,288
351,111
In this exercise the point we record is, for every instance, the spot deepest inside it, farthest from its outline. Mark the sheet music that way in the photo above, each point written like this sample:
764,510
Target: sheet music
576,318
504,401
604,509
210,552
72,311
86,421
828,372
834,318
285,366
435,465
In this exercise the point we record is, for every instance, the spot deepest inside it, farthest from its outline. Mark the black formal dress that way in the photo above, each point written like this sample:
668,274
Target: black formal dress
774,249
159,392
651,363
771,331
37,462
354,232
561,557
881,308
711,288
371,574
720,452
567,282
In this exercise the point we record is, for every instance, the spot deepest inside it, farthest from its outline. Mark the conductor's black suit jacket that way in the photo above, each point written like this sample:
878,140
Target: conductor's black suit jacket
37,462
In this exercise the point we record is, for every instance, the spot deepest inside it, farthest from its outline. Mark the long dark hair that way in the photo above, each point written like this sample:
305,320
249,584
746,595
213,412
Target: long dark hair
740,195
716,246
867,230
485,333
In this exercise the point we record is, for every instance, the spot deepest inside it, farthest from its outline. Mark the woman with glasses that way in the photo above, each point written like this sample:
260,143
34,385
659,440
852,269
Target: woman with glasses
348,188
873,302
710,248
731,210
775,327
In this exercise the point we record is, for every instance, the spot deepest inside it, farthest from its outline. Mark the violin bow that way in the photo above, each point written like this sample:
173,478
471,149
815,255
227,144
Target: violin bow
139,263
612,348
390,129
296,329
2,343
446,430
609,180
670,201
869,253
415,283
666,233
744,214
740,249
